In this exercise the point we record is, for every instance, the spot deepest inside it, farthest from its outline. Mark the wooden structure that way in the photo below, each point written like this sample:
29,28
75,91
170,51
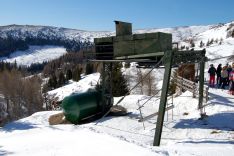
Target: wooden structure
187,71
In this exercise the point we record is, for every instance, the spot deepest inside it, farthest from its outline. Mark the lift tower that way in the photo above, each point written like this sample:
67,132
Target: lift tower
148,48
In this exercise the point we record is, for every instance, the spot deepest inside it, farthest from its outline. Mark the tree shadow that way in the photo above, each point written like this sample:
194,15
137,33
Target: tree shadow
217,99
109,117
18,126
4,152
220,121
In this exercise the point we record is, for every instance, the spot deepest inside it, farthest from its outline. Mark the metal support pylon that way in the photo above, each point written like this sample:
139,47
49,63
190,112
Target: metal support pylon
201,83
107,98
163,101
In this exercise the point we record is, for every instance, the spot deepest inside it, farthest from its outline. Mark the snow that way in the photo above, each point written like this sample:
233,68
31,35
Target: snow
86,83
179,33
35,54
30,137
217,50
183,135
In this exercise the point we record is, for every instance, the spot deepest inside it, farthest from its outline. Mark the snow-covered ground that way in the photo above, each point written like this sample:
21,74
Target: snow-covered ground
183,134
35,54
34,136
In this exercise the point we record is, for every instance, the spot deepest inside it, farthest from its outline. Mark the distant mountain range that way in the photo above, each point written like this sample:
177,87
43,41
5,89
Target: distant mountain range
21,37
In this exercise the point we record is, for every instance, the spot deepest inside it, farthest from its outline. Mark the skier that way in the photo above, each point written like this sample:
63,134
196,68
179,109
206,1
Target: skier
212,72
229,70
231,79
224,77
218,72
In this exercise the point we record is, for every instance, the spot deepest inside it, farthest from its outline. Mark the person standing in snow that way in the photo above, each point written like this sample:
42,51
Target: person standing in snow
231,79
212,72
224,77
229,70
218,73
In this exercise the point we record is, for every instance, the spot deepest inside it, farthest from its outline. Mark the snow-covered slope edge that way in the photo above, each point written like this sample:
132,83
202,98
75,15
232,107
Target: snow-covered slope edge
35,54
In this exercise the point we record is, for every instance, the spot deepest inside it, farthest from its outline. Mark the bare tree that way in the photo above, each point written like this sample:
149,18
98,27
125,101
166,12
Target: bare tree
147,82
150,82
22,95
140,79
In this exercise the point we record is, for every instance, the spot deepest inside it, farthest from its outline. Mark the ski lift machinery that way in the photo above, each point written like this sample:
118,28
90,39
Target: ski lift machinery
144,48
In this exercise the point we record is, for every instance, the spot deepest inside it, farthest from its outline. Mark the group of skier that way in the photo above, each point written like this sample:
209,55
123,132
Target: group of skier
224,77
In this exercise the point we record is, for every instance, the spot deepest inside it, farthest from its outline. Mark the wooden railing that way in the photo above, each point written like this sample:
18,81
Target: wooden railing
192,87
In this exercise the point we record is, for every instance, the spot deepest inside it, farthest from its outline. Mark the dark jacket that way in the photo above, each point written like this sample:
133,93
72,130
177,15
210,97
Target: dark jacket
229,70
218,71
212,71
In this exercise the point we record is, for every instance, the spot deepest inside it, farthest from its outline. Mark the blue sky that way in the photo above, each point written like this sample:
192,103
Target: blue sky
100,14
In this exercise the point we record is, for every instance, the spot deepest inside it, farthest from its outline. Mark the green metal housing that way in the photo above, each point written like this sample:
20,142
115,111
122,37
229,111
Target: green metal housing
142,44
80,106
124,44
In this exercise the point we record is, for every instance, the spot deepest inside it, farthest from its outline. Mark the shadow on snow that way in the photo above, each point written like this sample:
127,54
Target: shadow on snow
217,99
18,126
220,121
209,142
4,152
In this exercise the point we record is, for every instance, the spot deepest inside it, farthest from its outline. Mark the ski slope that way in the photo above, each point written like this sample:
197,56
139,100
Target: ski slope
35,54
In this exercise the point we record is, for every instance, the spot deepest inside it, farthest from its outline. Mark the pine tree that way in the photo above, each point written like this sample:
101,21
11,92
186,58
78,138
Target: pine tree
201,44
211,41
53,81
127,65
119,83
182,47
192,44
89,69
221,41
68,74
208,43
76,74
61,79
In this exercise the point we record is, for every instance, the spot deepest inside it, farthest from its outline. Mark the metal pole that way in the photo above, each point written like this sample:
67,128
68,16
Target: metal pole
163,101
201,82
103,86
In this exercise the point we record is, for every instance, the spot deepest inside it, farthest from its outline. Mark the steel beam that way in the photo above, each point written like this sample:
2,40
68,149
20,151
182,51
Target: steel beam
201,81
163,101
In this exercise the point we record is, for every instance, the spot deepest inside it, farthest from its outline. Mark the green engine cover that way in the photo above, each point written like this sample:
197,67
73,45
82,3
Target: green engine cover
142,44
79,106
